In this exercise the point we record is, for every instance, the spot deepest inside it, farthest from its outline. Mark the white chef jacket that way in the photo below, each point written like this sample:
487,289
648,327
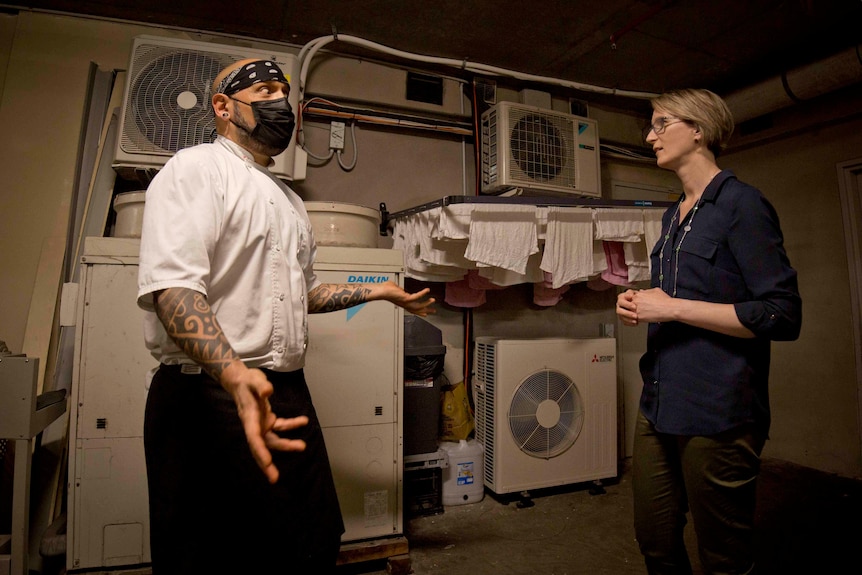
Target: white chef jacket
220,224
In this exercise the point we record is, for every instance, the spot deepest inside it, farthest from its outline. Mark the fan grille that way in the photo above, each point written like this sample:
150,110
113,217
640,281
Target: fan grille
538,150
541,147
546,414
489,149
485,411
168,106
538,147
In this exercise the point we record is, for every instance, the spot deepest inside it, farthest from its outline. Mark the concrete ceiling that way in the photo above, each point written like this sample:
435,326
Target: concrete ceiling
631,45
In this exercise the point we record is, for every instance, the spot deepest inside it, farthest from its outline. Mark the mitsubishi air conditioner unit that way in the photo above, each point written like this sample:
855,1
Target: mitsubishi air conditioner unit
539,150
166,103
546,411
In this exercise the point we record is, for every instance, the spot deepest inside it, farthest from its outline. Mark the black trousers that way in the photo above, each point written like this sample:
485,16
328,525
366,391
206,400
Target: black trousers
715,479
211,508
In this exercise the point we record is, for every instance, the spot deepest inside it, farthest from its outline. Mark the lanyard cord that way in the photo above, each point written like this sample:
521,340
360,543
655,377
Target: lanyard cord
675,257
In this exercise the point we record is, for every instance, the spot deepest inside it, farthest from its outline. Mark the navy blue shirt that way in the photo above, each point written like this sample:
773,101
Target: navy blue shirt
696,381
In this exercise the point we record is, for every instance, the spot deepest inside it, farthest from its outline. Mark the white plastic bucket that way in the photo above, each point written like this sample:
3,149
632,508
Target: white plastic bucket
464,478
345,225
130,214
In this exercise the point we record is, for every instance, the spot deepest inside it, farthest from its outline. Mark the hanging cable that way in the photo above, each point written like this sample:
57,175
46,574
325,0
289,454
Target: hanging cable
323,159
355,150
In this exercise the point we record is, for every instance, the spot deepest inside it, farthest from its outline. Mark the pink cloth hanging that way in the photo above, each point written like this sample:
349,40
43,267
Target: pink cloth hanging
460,294
547,296
617,272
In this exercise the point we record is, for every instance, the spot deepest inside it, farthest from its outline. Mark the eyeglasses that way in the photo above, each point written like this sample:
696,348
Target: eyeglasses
660,125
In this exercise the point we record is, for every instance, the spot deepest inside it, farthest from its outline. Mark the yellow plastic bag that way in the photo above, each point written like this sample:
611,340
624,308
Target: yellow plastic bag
456,419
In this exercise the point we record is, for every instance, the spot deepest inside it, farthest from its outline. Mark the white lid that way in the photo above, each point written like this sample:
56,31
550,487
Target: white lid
342,207
128,197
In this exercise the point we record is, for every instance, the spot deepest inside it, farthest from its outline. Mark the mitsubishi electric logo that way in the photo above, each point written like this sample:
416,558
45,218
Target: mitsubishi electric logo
602,358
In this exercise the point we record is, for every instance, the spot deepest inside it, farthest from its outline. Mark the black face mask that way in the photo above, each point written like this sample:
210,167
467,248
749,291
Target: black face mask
274,122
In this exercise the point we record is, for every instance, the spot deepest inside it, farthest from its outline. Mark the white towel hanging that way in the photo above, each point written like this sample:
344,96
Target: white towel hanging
568,254
619,225
502,236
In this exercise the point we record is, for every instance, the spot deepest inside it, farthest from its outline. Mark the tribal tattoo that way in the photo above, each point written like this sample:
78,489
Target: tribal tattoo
191,323
333,297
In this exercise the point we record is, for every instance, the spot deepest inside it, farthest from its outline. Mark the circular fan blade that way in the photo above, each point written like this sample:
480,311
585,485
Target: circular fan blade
546,414
169,100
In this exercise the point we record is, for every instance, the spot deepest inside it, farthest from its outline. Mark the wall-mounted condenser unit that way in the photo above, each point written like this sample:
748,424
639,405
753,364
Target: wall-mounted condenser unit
539,150
167,100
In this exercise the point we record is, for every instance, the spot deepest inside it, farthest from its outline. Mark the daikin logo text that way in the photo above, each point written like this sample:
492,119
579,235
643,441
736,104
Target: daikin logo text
367,279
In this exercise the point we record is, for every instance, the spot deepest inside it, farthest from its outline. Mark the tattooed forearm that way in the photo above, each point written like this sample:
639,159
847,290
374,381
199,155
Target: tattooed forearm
332,297
190,322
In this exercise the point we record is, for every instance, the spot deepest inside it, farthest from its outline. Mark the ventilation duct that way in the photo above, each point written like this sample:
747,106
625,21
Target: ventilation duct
798,85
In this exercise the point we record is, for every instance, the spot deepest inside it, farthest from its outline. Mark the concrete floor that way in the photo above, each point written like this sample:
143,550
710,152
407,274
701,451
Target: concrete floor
808,522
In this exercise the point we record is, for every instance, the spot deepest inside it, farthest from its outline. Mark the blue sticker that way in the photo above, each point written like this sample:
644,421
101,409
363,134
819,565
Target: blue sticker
352,311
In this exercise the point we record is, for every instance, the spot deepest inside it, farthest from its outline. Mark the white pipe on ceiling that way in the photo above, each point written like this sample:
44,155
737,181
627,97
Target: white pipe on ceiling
798,85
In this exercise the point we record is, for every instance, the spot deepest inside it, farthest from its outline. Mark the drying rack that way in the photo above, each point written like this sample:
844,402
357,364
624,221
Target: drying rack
538,201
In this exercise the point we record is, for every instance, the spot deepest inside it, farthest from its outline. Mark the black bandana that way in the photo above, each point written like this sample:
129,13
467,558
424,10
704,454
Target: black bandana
250,74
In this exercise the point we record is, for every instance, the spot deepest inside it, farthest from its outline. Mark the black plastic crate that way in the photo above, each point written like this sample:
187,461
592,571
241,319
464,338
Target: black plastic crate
423,491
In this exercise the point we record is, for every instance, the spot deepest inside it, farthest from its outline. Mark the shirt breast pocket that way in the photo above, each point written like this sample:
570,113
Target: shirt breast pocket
702,273
696,257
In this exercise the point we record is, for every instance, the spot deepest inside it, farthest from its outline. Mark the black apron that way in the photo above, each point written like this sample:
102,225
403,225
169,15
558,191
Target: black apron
212,510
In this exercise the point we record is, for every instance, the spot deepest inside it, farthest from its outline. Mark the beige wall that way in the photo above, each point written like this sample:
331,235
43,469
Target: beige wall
400,169
41,112
813,384
814,395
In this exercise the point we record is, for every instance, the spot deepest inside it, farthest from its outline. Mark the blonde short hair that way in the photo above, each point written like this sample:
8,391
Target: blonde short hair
702,108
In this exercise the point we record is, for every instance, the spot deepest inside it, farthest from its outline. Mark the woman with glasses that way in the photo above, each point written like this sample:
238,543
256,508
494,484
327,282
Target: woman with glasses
722,289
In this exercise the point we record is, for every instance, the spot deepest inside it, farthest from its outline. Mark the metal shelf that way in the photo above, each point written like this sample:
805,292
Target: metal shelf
25,415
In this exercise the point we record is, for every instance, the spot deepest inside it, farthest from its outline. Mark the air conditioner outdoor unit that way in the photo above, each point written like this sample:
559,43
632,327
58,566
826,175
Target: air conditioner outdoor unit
539,150
166,103
546,411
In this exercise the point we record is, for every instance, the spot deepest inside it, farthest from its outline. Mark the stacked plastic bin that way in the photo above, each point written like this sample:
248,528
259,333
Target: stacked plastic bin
424,354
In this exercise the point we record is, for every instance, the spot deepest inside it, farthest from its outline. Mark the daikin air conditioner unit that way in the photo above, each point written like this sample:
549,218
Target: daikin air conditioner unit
546,411
539,150
166,103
